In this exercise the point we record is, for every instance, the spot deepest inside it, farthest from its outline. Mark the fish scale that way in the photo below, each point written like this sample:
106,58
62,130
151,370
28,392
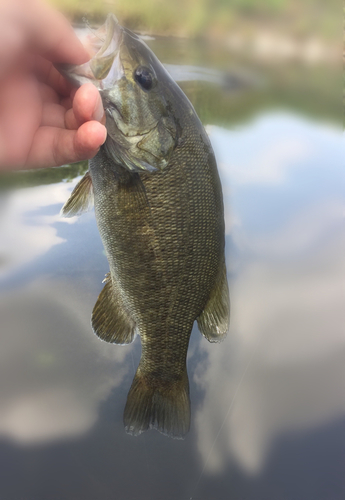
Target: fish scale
162,226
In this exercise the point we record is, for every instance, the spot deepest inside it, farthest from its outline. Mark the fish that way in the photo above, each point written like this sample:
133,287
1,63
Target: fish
159,209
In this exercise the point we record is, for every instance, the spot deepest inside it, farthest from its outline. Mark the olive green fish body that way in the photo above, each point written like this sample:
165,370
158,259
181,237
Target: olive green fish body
164,239
159,210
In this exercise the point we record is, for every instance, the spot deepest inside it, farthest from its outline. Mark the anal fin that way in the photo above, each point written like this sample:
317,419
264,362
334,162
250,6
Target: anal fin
214,320
110,320
81,199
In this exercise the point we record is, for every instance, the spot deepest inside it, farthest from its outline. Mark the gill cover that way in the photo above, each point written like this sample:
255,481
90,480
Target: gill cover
142,131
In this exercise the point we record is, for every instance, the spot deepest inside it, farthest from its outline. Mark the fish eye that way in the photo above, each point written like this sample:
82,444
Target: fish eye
143,76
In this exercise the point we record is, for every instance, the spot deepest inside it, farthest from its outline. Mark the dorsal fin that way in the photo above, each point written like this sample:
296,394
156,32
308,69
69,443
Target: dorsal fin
81,199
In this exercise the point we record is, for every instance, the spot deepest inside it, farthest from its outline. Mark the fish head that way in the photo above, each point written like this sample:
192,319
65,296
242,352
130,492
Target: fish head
142,125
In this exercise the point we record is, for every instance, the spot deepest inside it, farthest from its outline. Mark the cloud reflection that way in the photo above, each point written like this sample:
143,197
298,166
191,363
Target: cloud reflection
287,343
21,242
62,372
282,367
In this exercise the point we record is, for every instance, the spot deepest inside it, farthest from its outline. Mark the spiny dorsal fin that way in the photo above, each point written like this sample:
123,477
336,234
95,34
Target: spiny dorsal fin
110,320
214,320
81,199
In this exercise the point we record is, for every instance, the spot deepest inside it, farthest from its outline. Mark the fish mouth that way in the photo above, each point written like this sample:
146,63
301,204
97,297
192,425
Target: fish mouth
105,67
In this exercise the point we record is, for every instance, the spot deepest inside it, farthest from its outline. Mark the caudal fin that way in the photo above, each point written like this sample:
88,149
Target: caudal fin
166,409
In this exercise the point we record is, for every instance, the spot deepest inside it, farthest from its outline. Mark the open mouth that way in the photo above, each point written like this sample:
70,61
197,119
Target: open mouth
104,67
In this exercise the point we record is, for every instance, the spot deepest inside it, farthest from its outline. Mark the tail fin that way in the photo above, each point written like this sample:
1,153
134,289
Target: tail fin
166,409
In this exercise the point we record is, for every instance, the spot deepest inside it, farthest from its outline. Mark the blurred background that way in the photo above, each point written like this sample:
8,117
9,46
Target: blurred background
268,407
299,41
213,18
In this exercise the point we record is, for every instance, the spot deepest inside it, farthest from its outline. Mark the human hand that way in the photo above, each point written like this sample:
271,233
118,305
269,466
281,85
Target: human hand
43,120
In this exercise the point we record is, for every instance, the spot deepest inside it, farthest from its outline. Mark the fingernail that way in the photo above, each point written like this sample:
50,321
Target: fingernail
105,135
99,111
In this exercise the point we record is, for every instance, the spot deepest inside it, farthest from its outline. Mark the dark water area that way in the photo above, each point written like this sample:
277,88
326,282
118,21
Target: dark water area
268,407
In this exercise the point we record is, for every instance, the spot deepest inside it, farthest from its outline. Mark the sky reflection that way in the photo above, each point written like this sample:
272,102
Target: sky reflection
282,366
59,372
280,372
27,227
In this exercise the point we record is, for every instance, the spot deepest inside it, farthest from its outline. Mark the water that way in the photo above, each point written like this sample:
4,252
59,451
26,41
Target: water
268,409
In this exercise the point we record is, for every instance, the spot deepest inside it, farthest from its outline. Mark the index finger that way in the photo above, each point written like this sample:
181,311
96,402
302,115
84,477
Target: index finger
49,75
54,37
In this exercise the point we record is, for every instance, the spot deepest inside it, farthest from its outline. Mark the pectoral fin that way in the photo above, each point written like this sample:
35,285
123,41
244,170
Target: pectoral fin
81,199
214,320
110,320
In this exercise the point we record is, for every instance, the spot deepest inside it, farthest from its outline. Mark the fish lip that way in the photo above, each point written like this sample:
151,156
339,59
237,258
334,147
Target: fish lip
113,38
108,110
106,55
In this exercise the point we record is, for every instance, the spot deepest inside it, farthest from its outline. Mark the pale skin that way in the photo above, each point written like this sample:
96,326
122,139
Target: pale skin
44,122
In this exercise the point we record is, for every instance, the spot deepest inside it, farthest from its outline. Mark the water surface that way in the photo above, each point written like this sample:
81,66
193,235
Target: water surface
268,408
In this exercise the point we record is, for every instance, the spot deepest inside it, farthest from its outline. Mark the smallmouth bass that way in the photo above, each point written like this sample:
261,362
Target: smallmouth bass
159,209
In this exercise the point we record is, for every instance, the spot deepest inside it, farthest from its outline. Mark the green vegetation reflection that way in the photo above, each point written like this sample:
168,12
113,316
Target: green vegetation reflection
43,176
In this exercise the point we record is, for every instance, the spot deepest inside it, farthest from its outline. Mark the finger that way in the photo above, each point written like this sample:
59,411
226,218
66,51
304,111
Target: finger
54,146
87,104
71,123
14,34
67,103
49,75
20,117
12,44
54,37
53,115
48,94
